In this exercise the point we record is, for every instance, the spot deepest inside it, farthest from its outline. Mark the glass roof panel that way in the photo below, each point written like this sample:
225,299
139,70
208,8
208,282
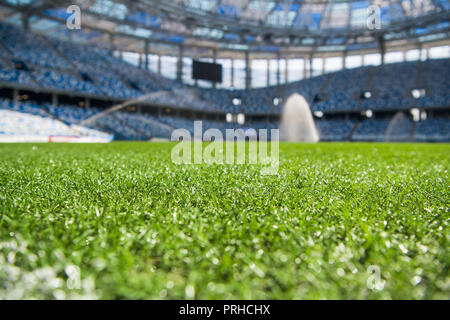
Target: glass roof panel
109,8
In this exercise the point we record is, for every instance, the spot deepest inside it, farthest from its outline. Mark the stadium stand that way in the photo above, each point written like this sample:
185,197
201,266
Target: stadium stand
335,130
344,90
30,121
435,129
436,82
371,130
33,61
30,47
394,93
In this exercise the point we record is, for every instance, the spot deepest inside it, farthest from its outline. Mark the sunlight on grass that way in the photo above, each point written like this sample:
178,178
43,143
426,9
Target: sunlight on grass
122,221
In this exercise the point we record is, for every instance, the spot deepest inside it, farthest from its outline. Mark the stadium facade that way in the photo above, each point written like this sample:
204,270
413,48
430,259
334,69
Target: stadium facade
370,70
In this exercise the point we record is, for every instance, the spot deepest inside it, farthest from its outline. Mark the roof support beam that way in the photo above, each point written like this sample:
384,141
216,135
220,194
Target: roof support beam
180,63
248,70
146,52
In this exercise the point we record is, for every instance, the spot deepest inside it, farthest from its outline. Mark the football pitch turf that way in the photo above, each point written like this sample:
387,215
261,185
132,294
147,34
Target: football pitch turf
120,220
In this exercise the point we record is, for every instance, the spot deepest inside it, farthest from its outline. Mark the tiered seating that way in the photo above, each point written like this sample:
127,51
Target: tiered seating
120,129
30,47
186,97
36,52
334,129
54,79
399,129
29,119
23,124
392,86
308,88
221,98
261,125
71,114
183,123
257,101
9,74
75,115
16,76
58,65
90,61
126,126
343,90
371,130
23,107
436,81
253,101
138,77
178,123
145,125
435,129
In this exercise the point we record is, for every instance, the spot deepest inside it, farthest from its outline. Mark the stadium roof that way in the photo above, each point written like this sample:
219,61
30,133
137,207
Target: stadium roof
240,24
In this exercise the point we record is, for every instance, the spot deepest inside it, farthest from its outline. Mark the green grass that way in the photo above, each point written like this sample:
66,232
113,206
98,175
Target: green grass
138,226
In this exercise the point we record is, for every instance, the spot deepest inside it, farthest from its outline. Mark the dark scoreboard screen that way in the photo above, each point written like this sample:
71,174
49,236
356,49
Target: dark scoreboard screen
207,71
